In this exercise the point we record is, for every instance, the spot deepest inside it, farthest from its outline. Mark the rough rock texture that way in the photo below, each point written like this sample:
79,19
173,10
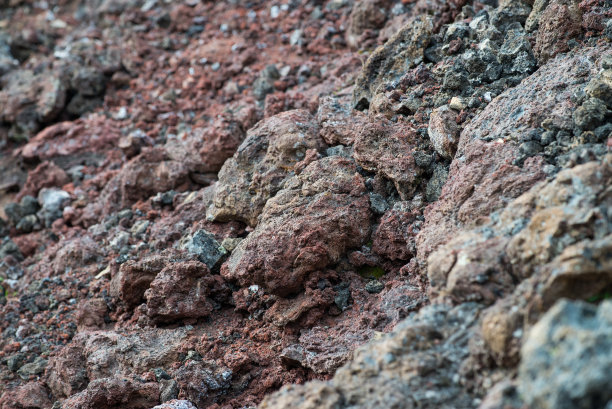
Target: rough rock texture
390,61
570,334
262,163
307,226
386,203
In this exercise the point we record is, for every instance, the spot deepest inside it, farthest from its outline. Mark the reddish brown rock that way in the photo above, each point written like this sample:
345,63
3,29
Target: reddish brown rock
387,149
560,22
93,134
443,131
264,160
90,314
339,123
184,290
47,174
311,223
134,277
32,395
110,393
395,236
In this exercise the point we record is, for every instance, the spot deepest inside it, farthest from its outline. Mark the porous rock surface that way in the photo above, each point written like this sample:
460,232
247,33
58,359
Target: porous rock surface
319,204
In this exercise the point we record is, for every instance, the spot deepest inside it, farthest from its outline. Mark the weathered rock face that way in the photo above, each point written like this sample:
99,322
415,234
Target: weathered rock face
95,357
225,223
184,290
307,226
262,163
388,149
503,134
365,15
565,357
390,61
396,368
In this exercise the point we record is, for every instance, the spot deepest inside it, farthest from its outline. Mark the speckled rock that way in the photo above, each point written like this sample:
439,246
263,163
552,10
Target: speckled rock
390,61
309,224
565,358
264,160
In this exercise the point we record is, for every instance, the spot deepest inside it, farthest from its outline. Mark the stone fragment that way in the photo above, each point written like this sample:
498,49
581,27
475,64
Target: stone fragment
52,202
565,359
443,131
389,62
134,277
388,149
311,223
184,290
365,15
262,163
559,22
110,393
205,247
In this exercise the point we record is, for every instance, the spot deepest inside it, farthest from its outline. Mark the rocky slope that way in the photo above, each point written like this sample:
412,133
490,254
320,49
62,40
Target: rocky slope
323,204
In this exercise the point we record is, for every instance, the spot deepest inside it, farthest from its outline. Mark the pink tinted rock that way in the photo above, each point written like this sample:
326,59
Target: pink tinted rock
339,123
90,313
33,395
312,222
134,277
96,133
387,148
184,290
47,174
395,236
110,393
560,22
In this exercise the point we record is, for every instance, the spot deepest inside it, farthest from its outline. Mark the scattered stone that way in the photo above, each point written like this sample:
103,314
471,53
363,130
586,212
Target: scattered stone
565,358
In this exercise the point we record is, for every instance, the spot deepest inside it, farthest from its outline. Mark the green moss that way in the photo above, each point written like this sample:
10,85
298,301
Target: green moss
371,272
604,295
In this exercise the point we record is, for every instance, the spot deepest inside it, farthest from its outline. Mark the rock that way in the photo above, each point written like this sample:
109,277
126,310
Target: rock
394,237
565,360
559,22
205,247
390,372
46,175
365,15
32,395
90,314
110,393
184,290
30,100
482,168
389,62
516,54
52,201
176,404
134,277
443,131
591,114
338,121
96,355
202,382
312,222
262,163
33,368
374,286
264,84
387,149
